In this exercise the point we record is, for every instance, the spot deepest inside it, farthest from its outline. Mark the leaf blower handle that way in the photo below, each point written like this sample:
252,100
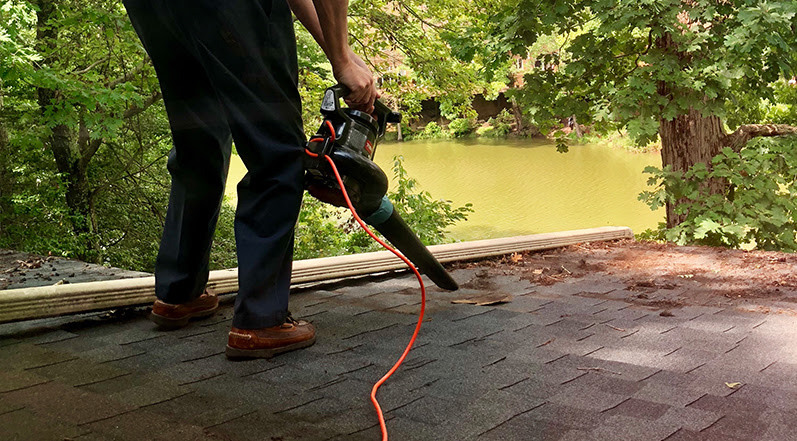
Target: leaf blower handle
331,102
384,115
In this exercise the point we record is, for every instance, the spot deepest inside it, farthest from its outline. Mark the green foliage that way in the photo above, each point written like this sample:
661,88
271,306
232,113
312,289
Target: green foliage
633,64
412,43
223,253
489,131
759,208
776,104
432,130
315,75
497,127
638,64
321,230
41,222
102,97
324,230
460,127
17,19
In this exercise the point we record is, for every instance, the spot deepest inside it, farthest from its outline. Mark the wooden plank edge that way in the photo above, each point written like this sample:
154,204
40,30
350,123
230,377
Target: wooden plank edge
50,301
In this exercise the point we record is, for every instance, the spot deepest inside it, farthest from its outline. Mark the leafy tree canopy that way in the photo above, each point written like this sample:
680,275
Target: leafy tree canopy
84,135
632,63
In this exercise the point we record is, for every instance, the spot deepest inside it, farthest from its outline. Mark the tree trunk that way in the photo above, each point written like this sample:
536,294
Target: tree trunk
6,182
518,114
64,145
685,141
576,127
688,138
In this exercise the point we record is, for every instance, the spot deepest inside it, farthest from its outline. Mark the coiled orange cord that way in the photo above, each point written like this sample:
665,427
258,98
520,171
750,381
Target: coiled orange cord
395,367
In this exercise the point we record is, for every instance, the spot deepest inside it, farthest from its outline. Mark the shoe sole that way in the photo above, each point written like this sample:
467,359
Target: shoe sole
166,323
244,354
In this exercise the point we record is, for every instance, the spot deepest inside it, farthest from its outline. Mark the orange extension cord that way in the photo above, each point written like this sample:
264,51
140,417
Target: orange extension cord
378,408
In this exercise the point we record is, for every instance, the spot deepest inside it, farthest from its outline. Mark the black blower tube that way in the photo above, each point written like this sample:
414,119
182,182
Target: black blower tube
401,236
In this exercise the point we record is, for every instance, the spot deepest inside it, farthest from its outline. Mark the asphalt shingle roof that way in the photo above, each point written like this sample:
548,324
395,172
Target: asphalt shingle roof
569,361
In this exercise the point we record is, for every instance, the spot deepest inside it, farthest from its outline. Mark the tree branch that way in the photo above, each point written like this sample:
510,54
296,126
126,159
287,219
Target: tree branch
130,174
128,76
415,14
89,152
89,148
738,139
364,52
91,66
133,111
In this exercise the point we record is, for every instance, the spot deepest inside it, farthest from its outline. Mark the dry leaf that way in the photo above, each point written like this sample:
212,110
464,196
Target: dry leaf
598,369
485,300
733,385
516,257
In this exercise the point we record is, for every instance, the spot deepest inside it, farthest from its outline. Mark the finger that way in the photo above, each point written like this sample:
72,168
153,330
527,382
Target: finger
358,97
373,97
357,106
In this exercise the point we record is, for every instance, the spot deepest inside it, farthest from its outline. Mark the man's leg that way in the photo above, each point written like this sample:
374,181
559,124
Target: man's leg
198,162
248,50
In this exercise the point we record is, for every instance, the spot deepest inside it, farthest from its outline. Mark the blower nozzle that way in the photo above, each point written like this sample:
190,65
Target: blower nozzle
349,137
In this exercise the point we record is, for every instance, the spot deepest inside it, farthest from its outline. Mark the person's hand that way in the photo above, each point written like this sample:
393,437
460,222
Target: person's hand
357,60
360,82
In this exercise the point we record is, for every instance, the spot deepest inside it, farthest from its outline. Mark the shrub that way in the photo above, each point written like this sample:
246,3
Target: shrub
426,216
487,131
759,208
460,127
431,131
497,127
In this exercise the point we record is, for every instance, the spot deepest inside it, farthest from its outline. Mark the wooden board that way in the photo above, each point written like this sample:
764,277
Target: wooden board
51,301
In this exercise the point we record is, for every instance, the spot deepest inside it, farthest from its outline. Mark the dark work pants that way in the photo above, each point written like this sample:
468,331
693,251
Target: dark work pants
228,71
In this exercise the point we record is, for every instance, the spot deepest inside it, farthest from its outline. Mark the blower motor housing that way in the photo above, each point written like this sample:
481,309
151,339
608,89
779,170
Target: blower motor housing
349,137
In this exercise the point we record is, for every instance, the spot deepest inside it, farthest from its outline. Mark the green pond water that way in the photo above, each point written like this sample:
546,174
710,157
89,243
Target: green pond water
522,187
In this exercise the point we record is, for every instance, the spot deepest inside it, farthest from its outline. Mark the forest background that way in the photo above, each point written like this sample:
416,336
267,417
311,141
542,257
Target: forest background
84,135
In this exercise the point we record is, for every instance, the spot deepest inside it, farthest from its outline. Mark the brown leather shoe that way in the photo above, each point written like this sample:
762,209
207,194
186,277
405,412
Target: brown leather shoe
268,342
169,316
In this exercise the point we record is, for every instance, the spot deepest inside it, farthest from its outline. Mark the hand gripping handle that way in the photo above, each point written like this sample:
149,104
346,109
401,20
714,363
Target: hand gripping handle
383,114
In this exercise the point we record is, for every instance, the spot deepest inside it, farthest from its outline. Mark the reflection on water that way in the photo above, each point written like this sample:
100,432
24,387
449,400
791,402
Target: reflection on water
523,186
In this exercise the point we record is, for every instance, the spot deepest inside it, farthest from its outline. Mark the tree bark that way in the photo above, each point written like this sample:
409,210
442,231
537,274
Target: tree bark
685,141
518,114
746,132
577,128
6,181
64,142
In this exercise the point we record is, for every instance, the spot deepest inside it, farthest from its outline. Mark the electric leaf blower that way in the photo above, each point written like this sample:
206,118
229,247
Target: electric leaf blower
349,137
